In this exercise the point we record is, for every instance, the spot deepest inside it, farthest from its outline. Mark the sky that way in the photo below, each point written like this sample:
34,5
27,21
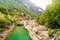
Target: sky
42,3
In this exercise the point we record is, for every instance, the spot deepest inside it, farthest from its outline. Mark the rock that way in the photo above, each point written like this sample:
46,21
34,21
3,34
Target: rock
1,39
20,23
4,34
37,32
1,36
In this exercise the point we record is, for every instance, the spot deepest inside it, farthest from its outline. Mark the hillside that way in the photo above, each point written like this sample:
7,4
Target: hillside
17,6
31,6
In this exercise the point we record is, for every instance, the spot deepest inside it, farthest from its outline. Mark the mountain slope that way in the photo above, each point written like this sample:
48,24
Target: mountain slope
31,6
17,6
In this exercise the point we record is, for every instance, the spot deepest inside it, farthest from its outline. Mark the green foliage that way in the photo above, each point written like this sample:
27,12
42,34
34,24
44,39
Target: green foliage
59,37
50,32
13,13
2,15
9,18
58,34
5,21
17,19
51,16
3,9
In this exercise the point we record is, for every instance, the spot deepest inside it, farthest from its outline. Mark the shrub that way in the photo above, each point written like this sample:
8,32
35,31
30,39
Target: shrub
2,15
50,32
9,18
3,9
4,22
58,34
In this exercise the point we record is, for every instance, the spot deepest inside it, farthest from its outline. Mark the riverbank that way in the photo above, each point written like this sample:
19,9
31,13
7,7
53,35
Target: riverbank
5,33
19,33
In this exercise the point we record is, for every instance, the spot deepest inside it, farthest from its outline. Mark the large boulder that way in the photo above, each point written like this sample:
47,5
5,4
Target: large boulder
20,23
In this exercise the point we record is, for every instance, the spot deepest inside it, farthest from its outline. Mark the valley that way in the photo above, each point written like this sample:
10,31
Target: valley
23,20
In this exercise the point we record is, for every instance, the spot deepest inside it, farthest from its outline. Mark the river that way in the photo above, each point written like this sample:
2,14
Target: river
19,33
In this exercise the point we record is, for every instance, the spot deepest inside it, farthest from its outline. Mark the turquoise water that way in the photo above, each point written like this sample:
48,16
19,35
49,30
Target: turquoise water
19,33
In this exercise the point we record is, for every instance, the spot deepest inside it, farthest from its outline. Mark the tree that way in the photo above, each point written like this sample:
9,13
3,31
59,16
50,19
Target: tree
51,16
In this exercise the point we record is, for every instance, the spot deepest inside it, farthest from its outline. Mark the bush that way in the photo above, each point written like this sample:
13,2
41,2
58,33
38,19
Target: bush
50,32
3,9
4,22
1,15
58,34
17,19
9,18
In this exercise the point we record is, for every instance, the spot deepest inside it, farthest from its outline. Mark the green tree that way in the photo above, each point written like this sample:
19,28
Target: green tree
51,16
